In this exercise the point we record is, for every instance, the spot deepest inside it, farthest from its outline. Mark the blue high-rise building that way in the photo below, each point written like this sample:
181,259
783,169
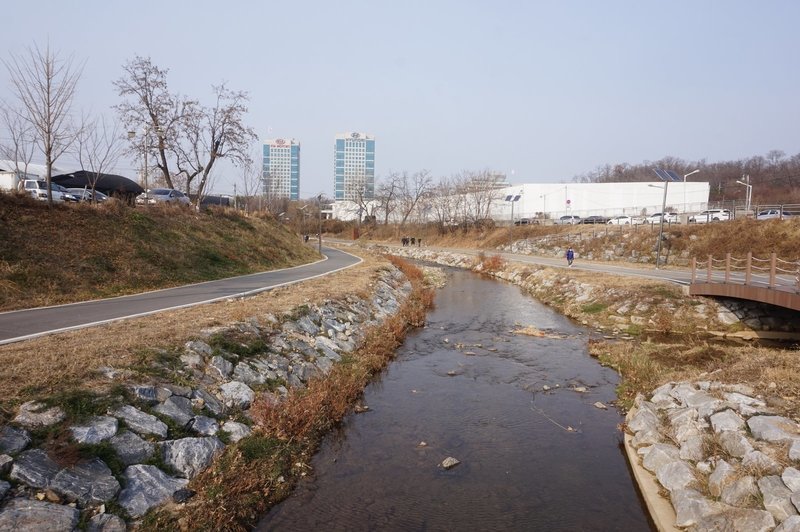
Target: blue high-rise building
281,170
354,167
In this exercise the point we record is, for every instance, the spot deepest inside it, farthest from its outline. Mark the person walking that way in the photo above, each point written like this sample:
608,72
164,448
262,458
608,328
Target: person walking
570,256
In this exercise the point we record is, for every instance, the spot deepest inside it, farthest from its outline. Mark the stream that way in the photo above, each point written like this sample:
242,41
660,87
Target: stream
467,386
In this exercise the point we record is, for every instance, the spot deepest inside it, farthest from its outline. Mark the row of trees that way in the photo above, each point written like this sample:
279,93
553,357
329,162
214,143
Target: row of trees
775,176
178,136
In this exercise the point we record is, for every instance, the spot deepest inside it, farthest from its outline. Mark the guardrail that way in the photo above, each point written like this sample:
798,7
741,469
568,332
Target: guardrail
773,273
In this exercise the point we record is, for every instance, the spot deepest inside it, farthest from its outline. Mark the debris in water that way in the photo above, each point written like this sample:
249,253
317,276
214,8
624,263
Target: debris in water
546,388
580,389
452,373
600,405
360,409
422,444
530,330
446,340
449,462
469,353
492,349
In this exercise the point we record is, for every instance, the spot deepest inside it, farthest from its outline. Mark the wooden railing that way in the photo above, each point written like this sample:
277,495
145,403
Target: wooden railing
773,273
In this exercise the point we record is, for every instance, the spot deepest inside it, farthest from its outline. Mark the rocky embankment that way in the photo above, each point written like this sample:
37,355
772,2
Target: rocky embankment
155,436
724,457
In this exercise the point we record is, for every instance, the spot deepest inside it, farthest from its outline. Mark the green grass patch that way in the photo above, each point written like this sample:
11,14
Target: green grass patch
258,447
594,308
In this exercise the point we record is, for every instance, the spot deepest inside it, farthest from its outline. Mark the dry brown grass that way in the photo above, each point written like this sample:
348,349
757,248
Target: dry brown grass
772,372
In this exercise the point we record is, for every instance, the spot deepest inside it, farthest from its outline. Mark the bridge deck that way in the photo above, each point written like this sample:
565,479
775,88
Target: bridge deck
772,296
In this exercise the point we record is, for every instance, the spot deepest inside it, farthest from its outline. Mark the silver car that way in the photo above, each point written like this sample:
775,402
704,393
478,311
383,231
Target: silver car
163,195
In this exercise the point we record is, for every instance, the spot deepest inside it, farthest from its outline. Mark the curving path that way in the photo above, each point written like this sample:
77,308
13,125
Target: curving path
30,323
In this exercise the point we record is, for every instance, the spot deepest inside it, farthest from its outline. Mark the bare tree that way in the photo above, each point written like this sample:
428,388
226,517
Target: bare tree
215,133
148,104
45,86
20,141
99,148
386,195
251,178
412,189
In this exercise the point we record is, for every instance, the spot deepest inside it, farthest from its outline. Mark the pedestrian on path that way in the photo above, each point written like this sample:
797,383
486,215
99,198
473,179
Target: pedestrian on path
570,256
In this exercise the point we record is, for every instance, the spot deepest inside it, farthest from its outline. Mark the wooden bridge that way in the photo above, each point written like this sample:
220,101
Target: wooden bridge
769,280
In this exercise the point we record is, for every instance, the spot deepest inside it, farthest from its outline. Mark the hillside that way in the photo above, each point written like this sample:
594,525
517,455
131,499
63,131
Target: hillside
610,242
70,253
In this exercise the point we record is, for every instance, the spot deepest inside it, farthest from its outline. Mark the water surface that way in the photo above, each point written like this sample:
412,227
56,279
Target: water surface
469,387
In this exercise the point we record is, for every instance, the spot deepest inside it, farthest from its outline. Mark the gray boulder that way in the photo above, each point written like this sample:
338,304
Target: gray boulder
792,524
236,430
644,419
761,462
13,439
776,497
131,449
207,426
726,420
723,474
237,394
34,468
773,428
675,475
734,443
306,325
4,487
141,422
660,454
89,483
209,402
219,367
147,486
189,456
741,492
34,414
178,409
245,373
145,393
791,477
794,450
738,520
29,515
98,429
691,507
106,523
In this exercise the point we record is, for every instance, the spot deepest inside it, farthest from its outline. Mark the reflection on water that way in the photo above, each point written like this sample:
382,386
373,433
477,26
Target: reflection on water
468,387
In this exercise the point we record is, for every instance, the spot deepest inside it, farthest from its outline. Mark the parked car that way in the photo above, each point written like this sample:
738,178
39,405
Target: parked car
710,215
37,188
594,220
526,221
770,214
163,195
624,220
568,219
85,194
669,217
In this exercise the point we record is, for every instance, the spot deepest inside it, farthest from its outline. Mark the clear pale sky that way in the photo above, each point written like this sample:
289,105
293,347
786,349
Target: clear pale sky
545,90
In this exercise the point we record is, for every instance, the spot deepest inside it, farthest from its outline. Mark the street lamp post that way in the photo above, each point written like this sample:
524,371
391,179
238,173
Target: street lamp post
749,195
131,135
512,198
319,233
684,187
661,228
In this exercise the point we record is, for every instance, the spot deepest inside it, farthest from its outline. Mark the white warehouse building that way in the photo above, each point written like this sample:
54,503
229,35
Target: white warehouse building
554,200
603,199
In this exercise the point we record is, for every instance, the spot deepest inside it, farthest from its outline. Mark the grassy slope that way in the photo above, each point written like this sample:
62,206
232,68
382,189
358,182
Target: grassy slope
76,252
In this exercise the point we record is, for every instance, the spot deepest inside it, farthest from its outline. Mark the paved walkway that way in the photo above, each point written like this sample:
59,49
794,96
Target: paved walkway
24,324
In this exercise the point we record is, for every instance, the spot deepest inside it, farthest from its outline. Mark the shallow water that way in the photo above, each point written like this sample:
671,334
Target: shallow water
470,388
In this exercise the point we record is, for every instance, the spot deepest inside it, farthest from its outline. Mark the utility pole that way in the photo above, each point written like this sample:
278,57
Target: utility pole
319,233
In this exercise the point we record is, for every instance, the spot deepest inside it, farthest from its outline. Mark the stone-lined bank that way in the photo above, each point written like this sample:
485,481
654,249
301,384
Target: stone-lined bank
727,461
153,437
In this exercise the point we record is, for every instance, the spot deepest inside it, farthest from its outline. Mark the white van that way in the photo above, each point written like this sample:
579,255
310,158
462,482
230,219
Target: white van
711,215
37,188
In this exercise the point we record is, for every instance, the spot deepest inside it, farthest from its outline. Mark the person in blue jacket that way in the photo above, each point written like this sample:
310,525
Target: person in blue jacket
570,256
